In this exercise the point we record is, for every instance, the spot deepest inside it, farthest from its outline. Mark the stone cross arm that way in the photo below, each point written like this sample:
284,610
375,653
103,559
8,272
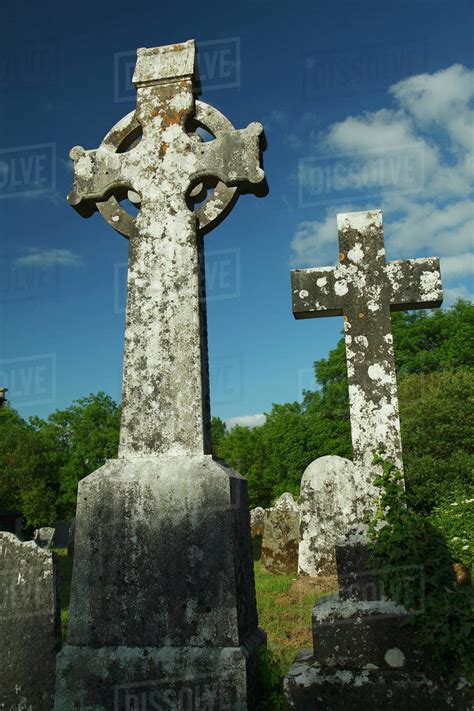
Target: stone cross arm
232,158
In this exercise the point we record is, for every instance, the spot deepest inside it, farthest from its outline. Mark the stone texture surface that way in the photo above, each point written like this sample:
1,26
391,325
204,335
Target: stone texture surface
365,288
257,523
353,634
354,569
163,577
281,536
165,402
29,625
329,503
61,534
43,537
308,687
72,533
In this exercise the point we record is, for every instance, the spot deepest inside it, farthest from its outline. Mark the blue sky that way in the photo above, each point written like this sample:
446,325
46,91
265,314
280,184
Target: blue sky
365,105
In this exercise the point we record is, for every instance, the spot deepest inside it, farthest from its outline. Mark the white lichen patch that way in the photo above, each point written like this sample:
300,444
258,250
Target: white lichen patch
356,254
395,658
321,282
303,294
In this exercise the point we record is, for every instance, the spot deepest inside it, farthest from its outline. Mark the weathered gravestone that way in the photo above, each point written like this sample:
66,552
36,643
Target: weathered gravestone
61,534
43,537
29,625
280,540
257,523
162,599
363,654
363,288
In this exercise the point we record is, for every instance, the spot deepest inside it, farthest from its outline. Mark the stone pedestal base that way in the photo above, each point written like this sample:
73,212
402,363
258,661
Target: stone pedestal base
143,679
162,586
309,686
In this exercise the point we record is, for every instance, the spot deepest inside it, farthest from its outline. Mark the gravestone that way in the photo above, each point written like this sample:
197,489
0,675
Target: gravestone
328,507
43,537
257,521
162,596
72,532
61,534
280,540
363,653
29,625
363,288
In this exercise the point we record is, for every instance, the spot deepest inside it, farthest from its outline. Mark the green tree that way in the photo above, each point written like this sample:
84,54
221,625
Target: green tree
28,470
86,434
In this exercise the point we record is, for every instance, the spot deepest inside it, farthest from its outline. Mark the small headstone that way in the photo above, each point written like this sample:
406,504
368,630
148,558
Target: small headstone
29,625
328,505
281,536
43,537
61,534
257,519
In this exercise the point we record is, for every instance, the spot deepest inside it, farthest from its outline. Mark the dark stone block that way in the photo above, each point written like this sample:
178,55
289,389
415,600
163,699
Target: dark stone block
352,634
308,687
29,625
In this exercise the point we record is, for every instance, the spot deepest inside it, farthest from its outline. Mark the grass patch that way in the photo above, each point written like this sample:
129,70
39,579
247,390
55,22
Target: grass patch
284,604
65,575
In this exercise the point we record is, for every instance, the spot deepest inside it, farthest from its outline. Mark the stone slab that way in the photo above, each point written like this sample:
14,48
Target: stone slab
354,568
308,687
124,678
29,625
279,550
331,489
353,634
162,555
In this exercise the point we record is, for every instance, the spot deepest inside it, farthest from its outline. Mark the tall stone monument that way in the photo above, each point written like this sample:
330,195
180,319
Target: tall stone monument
162,600
363,288
364,654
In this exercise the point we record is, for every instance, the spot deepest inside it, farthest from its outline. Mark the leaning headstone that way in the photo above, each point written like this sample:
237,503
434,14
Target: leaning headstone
257,520
281,536
43,537
61,534
29,625
363,652
162,603
328,507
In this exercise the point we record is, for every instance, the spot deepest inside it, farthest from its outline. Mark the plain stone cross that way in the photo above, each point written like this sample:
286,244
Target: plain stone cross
155,157
365,288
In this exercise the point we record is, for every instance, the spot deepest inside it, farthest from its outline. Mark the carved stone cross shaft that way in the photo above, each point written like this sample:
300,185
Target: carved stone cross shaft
365,288
155,157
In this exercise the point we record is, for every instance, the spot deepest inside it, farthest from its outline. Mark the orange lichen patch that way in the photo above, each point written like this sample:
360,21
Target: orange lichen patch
173,117
163,148
346,319
361,315
342,256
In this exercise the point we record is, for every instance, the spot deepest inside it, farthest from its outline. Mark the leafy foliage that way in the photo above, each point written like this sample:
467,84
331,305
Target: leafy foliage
403,539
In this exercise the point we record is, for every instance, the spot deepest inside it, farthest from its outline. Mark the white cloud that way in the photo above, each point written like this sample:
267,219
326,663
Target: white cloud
246,421
433,120
44,258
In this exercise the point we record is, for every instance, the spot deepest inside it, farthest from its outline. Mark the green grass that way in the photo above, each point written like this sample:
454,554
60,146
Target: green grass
284,604
65,574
